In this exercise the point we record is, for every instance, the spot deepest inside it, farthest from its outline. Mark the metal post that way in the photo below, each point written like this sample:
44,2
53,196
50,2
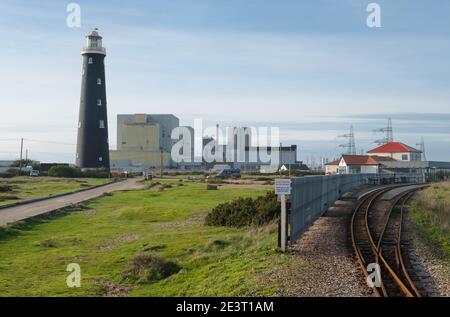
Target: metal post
283,223
290,156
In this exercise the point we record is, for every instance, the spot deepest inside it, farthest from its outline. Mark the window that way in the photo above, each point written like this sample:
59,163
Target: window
102,124
404,157
99,81
100,159
99,102
90,60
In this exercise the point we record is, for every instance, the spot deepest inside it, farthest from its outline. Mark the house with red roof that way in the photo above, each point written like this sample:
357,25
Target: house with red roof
332,168
366,164
397,151
391,157
355,164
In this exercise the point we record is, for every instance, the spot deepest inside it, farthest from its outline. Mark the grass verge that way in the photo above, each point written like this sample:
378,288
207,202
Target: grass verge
25,188
430,209
141,243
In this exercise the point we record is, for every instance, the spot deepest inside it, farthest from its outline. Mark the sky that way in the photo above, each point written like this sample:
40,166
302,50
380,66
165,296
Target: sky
310,67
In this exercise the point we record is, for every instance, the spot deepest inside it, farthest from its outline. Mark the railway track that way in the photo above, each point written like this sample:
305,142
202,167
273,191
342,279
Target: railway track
377,241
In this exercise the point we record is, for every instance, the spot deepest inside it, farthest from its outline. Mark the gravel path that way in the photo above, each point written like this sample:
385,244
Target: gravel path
322,264
322,261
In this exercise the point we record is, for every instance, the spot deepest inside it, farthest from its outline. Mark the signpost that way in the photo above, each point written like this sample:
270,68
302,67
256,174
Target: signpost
283,188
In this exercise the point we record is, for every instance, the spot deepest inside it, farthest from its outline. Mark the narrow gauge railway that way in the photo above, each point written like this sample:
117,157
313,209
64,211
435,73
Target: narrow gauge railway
376,236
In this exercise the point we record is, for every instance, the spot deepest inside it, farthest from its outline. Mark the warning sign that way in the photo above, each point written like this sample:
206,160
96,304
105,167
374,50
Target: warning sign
282,186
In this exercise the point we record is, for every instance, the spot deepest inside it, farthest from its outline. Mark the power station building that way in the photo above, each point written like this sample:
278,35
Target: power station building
144,140
92,141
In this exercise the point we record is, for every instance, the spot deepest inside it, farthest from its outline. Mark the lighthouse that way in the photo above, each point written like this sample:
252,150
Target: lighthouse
92,141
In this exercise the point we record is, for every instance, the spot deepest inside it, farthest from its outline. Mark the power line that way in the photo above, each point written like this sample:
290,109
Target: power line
49,142
389,134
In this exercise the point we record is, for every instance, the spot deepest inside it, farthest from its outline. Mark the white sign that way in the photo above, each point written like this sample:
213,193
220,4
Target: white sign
282,186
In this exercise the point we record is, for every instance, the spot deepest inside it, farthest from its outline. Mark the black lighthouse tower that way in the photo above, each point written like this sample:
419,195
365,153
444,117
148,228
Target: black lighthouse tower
92,142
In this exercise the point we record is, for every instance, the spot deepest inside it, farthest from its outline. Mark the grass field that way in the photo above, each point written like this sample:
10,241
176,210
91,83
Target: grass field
103,235
431,209
24,188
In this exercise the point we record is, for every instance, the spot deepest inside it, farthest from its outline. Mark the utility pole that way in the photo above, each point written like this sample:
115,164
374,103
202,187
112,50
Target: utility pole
350,145
422,148
290,156
21,153
389,134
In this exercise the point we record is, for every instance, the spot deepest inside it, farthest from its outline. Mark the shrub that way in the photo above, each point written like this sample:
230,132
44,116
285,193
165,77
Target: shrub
96,173
68,171
164,186
64,171
47,243
153,184
9,197
148,267
5,188
6,175
245,212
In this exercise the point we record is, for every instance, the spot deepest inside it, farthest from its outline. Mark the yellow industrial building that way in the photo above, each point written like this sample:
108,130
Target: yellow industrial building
143,140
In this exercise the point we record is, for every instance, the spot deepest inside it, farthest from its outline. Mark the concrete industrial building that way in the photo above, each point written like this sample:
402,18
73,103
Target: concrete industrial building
143,141
92,140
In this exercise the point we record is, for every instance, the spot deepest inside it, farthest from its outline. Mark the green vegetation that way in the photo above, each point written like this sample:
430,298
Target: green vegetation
23,188
68,171
141,243
243,212
431,209
147,268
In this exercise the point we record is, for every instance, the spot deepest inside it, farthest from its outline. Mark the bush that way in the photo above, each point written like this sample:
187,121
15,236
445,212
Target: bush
7,175
9,197
148,267
5,188
96,173
245,212
69,172
64,171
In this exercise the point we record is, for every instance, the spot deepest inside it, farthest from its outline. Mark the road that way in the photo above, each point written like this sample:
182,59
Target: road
13,214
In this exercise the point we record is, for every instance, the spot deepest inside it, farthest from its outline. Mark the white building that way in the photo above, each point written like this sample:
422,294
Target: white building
332,168
398,151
